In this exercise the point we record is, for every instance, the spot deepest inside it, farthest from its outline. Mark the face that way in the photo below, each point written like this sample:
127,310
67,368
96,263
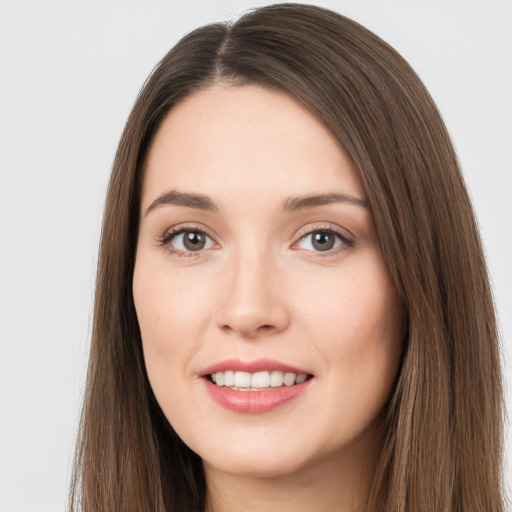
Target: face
270,327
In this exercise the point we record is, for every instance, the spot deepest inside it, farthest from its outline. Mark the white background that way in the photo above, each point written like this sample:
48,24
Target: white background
69,73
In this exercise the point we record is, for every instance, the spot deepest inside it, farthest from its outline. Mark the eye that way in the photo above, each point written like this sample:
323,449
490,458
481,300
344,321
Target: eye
322,240
187,240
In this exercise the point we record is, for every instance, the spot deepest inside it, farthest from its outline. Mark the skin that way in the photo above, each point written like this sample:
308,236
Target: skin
261,289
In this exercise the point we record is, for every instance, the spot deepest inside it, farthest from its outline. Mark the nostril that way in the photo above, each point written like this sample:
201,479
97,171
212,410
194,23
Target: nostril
261,328
251,319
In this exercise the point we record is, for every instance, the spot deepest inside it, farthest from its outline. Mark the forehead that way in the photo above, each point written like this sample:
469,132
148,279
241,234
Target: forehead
227,139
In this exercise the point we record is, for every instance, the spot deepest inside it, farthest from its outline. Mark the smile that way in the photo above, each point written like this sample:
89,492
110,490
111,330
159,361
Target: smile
255,386
245,381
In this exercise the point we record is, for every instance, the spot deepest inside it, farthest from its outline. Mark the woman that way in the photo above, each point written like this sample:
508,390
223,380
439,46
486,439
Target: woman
292,307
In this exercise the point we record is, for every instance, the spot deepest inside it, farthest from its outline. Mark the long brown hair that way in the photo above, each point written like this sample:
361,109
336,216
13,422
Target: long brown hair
443,425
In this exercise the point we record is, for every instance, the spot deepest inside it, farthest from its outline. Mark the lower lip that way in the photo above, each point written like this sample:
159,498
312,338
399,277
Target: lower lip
255,402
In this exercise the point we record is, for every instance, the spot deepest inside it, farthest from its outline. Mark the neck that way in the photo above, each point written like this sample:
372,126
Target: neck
331,485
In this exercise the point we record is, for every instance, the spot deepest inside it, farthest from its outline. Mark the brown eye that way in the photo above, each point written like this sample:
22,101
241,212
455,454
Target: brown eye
194,240
322,240
188,240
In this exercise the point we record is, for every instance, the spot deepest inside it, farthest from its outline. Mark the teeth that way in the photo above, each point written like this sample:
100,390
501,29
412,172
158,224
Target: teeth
229,378
289,379
301,378
276,379
258,380
242,379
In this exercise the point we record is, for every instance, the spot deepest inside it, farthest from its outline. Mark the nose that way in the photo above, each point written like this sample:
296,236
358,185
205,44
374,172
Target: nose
252,301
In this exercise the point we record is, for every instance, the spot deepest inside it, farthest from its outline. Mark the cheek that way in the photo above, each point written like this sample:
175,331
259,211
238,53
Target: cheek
355,307
168,305
171,312
355,325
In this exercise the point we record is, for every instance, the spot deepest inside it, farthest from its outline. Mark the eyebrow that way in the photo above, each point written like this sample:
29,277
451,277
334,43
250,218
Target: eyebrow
197,201
202,202
311,201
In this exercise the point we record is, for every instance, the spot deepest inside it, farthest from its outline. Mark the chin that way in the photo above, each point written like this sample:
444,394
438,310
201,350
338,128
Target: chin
257,466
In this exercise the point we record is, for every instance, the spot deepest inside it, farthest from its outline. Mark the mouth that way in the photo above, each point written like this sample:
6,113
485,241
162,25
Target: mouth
255,387
258,381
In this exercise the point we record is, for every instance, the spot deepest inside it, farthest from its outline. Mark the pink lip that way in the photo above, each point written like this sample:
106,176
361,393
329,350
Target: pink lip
253,402
258,365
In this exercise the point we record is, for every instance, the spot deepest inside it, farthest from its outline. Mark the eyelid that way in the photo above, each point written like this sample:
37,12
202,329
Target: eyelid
173,232
347,239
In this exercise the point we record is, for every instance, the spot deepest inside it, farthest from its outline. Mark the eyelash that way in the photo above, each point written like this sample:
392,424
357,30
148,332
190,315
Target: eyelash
165,241
170,235
346,242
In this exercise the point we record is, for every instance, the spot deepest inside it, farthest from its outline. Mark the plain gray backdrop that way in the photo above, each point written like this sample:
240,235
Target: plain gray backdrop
69,73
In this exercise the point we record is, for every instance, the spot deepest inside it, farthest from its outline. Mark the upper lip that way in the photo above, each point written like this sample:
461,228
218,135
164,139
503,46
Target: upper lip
257,365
